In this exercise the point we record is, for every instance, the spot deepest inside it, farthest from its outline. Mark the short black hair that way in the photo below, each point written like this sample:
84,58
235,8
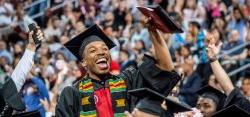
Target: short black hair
237,8
196,24
126,52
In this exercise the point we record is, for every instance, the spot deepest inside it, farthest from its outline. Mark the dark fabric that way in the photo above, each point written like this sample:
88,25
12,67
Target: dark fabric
235,97
7,111
34,113
149,106
127,64
188,89
152,106
155,78
230,111
150,76
151,100
147,75
69,103
2,103
166,113
11,95
204,70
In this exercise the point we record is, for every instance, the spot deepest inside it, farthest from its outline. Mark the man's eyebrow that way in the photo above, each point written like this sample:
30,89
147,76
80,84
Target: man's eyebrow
104,45
90,47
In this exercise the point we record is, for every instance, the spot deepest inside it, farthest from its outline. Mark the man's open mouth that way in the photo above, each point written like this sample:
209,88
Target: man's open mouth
102,63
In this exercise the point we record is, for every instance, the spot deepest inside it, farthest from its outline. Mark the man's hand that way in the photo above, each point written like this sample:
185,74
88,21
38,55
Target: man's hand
220,74
45,104
40,36
128,114
152,29
212,48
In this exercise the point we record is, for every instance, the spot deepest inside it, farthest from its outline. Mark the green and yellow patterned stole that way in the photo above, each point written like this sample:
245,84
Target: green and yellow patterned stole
117,89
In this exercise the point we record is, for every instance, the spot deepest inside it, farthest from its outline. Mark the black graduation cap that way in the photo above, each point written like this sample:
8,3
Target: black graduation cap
160,19
93,33
214,94
34,113
152,103
230,111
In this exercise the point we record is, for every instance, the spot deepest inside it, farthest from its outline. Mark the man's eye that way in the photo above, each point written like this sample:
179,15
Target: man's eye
105,49
198,106
92,51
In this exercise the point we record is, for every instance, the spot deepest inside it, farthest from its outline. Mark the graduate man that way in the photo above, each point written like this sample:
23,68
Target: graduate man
104,95
210,100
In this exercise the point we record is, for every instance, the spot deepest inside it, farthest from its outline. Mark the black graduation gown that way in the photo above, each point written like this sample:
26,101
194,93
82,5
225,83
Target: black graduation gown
235,97
146,75
10,98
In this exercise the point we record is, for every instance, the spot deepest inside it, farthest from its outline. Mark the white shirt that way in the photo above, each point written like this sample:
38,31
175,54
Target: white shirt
22,69
5,20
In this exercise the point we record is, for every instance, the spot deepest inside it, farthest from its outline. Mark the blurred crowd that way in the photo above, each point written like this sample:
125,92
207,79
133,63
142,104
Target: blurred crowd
55,67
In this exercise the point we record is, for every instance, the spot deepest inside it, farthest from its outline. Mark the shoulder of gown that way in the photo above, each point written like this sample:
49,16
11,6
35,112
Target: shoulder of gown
68,104
237,98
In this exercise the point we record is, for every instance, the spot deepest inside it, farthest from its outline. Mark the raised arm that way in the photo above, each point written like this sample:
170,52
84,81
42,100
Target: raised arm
162,54
26,62
220,74
13,85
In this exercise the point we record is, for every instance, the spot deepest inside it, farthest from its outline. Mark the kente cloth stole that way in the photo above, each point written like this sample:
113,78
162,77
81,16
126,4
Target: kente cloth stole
117,89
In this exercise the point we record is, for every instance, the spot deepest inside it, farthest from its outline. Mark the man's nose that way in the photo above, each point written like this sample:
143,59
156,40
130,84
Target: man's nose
100,52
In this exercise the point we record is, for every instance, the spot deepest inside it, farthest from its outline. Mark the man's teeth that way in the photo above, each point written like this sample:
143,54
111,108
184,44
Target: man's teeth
101,60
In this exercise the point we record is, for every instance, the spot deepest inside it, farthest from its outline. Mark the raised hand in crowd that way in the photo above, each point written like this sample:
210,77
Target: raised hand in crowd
39,35
219,72
162,54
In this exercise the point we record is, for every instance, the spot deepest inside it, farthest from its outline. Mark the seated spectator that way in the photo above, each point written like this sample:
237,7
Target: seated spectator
34,91
124,60
238,23
245,86
233,41
21,20
4,52
6,12
53,27
191,82
115,68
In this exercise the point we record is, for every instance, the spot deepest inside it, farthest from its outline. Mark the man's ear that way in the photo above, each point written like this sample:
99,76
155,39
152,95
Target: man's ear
83,62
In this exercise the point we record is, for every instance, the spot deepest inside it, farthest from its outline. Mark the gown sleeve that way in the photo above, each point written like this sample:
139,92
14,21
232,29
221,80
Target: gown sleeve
147,74
235,97
68,105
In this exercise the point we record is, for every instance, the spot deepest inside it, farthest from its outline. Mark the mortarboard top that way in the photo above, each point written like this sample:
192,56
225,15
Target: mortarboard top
232,110
172,105
160,19
210,92
35,113
210,89
217,96
93,33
